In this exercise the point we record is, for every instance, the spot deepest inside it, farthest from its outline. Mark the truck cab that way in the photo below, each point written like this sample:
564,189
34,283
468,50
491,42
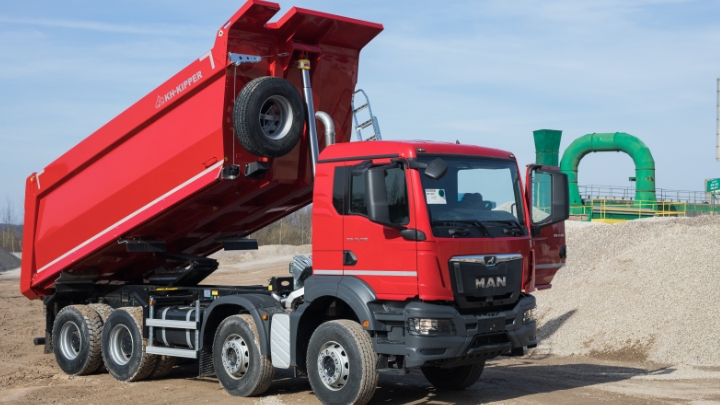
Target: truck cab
431,244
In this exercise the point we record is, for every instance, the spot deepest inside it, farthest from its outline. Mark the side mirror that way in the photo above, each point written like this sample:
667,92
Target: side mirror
560,198
436,169
378,208
548,197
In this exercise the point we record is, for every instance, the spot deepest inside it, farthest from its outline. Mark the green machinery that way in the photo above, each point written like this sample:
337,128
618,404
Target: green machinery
645,204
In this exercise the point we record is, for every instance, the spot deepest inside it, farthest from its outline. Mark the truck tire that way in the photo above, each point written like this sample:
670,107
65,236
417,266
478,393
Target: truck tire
163,366
269,117
454,378
239,366
341,363
76,340
104,311
123,346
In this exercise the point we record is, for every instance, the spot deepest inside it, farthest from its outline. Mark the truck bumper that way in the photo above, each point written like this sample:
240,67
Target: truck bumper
477,337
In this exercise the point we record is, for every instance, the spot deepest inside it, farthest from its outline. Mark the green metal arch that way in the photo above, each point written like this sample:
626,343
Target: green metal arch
611,142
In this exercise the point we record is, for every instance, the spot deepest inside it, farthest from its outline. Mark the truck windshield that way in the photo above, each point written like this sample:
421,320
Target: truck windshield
478,197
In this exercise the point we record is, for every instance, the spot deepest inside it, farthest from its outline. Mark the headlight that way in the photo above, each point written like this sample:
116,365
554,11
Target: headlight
530,315
430,327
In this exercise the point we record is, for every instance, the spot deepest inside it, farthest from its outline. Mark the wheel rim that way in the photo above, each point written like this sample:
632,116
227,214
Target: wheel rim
333,366
235,356
276,117
70,340
121,344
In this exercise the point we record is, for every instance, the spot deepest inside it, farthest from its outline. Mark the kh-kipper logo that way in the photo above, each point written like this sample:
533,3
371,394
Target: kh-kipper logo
161,100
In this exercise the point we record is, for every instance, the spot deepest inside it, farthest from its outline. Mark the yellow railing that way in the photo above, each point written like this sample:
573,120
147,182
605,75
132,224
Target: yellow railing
617,211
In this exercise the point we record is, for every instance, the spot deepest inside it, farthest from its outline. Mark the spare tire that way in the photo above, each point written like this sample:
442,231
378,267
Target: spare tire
269,117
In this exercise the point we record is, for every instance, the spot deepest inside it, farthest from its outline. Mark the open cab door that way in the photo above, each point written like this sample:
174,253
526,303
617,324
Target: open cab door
549,207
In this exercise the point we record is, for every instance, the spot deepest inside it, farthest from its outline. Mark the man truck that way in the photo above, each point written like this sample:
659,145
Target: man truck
424,254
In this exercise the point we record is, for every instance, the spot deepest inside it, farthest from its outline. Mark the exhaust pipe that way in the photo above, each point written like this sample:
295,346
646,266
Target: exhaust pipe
304,66
329,125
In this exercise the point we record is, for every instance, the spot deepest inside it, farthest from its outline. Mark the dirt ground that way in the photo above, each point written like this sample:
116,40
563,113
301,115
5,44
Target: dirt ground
29,377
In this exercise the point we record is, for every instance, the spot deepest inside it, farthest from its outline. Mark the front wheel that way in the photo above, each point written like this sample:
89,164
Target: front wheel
453,378
341,363
239,366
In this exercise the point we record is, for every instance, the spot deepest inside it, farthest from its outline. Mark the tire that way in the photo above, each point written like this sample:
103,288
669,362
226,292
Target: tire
341,363
123,347
163,366
239,366
103,310
76,340
455,378
269,117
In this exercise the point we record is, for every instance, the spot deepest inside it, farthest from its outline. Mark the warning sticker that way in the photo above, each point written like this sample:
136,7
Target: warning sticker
435,196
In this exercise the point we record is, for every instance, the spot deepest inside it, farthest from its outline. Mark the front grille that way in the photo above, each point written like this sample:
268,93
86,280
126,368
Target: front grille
476,285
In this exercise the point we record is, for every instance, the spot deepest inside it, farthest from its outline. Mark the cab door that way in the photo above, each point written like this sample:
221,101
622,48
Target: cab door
548,202
378,253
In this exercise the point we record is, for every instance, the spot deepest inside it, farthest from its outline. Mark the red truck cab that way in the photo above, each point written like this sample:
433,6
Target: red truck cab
444,261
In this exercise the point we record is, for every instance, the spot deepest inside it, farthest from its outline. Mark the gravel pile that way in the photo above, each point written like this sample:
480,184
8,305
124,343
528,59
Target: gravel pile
643,290
8,261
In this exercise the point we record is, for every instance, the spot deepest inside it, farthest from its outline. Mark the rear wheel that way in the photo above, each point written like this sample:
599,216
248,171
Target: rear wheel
341,363
163,366
123,347
103,310
239,366
76,340
454,378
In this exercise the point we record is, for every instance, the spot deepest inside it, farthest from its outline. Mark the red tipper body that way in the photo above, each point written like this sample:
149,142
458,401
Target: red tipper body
154,171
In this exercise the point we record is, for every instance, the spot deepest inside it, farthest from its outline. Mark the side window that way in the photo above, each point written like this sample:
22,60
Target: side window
358,205
397,196
542,197
338,196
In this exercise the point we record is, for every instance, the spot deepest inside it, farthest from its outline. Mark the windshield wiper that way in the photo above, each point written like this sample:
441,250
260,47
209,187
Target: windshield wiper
452,222
516,227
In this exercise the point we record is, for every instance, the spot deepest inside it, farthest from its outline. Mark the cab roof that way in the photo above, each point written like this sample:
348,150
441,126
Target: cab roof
405,149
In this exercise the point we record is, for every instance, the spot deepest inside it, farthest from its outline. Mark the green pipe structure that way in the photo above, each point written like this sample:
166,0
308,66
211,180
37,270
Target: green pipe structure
617,142
547,146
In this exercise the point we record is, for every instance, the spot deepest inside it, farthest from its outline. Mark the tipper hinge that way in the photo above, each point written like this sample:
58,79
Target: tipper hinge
238,58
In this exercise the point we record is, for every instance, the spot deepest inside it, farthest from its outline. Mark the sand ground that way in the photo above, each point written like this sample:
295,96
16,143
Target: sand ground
27,376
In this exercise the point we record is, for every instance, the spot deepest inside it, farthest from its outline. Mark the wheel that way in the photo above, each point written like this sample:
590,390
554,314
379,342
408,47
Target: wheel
341,363
454,378
123,347
163,365
103,310
241,369
269,117
76,340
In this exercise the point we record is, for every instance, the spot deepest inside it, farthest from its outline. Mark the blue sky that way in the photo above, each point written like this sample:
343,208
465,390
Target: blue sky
482,72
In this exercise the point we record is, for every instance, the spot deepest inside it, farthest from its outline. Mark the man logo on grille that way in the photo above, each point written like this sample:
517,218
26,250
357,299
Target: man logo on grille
490,260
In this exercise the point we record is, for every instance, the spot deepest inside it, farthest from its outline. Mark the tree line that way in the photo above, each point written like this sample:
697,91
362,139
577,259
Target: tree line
294,229
10,227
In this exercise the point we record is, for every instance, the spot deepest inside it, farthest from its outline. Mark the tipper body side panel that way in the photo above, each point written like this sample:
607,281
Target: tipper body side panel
155,171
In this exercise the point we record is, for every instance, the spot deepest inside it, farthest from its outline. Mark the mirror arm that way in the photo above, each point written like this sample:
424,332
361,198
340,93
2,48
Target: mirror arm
413,163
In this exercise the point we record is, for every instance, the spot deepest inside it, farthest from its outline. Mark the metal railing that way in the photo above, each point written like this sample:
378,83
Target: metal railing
618,193
604,209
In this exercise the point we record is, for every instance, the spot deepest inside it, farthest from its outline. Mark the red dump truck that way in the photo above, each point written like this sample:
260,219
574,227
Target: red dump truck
424,253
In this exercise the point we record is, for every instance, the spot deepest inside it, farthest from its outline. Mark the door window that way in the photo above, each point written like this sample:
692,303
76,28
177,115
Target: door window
542,197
